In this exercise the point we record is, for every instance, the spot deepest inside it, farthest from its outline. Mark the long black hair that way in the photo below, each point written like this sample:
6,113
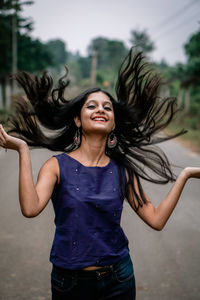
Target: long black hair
45,118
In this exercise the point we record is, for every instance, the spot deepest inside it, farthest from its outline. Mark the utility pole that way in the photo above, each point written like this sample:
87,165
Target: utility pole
14,44
93,68
187,100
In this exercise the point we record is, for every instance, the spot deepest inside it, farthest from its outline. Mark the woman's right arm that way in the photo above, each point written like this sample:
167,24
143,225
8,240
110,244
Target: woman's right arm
33,198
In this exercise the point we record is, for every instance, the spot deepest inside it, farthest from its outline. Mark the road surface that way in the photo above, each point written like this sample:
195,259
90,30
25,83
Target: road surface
166,263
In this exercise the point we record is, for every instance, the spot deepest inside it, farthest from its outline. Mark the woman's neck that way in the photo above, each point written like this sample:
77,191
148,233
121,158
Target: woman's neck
92,151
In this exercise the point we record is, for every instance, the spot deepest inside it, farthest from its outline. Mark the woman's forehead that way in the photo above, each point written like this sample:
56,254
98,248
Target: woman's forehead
98,96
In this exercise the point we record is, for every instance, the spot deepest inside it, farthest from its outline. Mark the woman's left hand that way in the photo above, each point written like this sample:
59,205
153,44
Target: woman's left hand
192,172
156,217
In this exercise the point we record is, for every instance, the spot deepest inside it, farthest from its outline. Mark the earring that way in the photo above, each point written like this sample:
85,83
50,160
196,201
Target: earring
112,140
77,137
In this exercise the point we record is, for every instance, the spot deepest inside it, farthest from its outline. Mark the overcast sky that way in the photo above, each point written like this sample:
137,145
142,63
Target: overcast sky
168,22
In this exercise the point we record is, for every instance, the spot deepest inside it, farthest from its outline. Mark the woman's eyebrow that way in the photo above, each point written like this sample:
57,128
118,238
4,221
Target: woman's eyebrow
90,101
108,102
105,102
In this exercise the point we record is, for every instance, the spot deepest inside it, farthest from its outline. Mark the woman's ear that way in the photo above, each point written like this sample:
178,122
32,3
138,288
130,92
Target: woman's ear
113,128
77,121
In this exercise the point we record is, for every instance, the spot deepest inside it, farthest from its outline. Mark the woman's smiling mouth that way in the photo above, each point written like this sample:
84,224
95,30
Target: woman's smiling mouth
99,119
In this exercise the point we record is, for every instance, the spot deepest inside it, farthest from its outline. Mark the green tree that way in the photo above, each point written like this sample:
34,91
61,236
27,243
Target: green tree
109,52
184,81
116,51
192,49
99,45
109,57
85,66
34,56
192,78
141,40
79,67
8,8
58,49
5,45
10,22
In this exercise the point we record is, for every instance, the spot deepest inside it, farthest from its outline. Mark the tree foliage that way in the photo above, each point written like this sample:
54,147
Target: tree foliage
8,10
5,45
109,57
109,52
183,81
192,49
141,40
58,51
33,55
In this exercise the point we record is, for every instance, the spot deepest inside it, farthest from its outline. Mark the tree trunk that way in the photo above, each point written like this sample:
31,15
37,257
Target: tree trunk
93,68
1,97
187,101
180,97
3,93
14,47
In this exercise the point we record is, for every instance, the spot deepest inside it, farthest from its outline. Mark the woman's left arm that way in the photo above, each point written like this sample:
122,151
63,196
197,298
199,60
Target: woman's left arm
157,217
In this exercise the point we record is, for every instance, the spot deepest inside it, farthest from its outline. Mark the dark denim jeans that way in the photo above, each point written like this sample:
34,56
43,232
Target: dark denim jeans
115,282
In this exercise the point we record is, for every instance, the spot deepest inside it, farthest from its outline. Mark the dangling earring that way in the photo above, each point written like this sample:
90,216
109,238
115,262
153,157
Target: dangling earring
77,137
112,140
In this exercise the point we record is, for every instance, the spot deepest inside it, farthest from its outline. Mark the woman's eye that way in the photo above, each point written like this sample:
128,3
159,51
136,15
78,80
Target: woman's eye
108,108
91,106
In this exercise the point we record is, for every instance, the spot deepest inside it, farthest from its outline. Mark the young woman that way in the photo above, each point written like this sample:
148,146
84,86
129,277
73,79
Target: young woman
107,146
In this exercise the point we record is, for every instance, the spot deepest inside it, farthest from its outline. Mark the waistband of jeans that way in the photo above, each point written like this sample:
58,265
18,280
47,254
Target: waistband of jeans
103,271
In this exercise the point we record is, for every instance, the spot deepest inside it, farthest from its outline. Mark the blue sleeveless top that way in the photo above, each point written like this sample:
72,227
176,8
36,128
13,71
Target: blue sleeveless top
88,204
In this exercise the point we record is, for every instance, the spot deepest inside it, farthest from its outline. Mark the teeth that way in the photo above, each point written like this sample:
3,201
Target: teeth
99,119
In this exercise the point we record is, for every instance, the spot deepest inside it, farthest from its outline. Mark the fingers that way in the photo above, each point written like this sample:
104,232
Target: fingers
2,136
10,142
2,130
193,172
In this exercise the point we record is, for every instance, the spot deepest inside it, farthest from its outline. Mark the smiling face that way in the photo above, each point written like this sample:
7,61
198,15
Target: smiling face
97,115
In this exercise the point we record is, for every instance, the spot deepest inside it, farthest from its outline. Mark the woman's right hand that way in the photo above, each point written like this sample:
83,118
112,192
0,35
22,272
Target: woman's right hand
32,197
9,142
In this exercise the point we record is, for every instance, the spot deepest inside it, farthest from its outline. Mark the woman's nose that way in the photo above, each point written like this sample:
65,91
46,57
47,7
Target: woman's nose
101,108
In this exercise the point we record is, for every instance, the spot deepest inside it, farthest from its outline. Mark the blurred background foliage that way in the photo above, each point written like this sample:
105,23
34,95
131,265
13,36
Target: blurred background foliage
19,51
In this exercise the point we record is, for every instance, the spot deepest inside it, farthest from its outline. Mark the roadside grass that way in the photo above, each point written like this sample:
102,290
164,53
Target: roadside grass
191,139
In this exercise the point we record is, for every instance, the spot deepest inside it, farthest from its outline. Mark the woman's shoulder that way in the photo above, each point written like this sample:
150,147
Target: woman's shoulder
50,168
51,163
58,156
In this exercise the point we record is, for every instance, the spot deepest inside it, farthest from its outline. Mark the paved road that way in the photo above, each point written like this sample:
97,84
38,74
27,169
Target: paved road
167,263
